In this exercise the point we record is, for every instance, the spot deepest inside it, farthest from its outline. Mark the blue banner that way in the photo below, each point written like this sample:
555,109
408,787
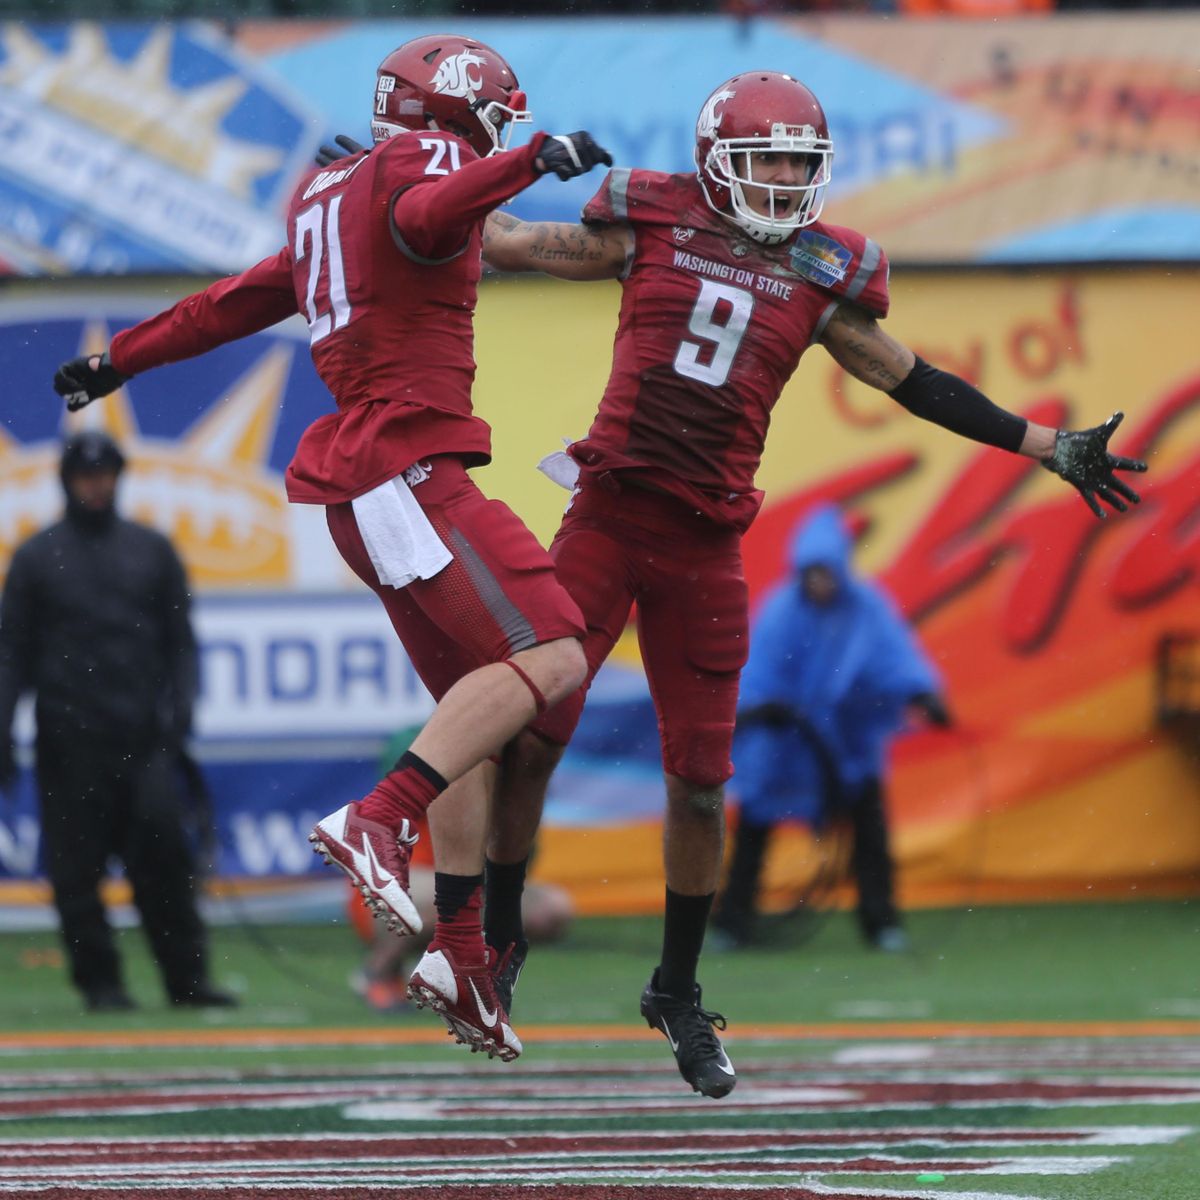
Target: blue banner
152,148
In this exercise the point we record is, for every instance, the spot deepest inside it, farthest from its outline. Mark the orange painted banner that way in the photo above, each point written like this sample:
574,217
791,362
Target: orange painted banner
1047,624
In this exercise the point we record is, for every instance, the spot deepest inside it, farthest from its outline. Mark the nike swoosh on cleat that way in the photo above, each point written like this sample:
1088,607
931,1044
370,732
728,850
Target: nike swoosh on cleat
488,1018
375,873
667,1030
725,1064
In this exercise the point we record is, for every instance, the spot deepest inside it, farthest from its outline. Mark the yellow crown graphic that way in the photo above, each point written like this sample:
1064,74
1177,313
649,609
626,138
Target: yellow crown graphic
210,491
136,102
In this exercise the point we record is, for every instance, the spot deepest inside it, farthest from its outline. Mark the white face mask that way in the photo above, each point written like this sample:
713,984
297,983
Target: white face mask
499,121
729,164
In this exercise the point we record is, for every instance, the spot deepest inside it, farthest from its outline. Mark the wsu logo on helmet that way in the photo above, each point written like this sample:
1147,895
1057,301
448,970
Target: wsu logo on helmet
710,117
453,77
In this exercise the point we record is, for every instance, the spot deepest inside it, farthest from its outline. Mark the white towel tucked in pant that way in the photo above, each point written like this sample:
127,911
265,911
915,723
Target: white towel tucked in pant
398,536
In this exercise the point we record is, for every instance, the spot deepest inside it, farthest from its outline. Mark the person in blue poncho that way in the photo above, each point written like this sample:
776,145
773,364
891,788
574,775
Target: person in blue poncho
834,674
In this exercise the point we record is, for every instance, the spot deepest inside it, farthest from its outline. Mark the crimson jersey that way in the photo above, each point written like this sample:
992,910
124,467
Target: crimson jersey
383,261
712,326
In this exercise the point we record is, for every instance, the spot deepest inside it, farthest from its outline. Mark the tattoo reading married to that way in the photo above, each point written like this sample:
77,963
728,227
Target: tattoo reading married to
739,275
550,243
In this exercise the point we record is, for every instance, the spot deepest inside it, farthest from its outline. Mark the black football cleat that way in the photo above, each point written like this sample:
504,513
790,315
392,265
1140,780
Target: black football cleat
508,970
689,1028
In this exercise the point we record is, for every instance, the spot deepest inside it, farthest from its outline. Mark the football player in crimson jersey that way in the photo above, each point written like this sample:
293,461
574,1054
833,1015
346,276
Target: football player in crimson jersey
383,260
728,276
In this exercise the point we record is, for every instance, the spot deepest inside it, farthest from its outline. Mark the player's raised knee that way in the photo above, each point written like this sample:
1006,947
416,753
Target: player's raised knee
551,671
557,667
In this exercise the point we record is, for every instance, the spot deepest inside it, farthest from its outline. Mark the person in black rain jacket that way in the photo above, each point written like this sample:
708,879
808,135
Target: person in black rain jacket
95,621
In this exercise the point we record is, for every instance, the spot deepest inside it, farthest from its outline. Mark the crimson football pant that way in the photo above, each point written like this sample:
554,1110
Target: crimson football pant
618,545
497,597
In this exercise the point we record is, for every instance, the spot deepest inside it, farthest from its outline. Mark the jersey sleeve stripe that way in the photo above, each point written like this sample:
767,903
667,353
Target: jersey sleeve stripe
868,265
618,190
822,321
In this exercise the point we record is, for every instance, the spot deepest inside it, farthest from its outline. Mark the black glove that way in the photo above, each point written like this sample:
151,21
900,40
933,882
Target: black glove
569,155
345,148
200,815
934,709
83,380
1083,460
8,764
773,714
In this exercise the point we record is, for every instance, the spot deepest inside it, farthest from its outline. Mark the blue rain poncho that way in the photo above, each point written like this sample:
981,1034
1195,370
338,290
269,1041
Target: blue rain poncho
847,668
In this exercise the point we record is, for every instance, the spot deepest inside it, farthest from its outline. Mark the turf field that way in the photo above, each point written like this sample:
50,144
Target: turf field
1041,1054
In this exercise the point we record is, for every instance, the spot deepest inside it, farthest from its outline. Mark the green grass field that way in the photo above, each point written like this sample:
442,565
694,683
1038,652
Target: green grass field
896,1076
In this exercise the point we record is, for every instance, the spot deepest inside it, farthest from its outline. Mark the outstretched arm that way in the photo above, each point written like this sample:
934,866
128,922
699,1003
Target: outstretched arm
436,216
226,310
857,343
565,251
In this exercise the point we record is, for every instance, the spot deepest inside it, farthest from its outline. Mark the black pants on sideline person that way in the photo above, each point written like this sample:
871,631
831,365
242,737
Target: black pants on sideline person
871,865
102,800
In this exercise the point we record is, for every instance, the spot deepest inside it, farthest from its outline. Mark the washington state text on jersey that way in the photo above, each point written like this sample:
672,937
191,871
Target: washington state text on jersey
732,274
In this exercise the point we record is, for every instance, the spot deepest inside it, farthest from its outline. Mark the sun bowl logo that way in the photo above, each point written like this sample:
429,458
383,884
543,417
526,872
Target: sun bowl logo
709,122
141,148
454,78
209,486
820,258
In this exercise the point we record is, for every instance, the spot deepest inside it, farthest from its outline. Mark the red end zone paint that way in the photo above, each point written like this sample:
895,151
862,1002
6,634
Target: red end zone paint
584,1131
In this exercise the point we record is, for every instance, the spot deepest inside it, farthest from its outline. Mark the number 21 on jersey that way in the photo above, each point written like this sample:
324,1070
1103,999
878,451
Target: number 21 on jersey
318,239
721,341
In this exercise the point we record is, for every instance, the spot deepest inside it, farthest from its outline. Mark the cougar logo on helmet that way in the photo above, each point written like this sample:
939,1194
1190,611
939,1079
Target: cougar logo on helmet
453,77
710,119
472,93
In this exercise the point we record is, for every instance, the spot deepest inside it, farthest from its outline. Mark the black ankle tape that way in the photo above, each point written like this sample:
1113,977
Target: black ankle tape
409,759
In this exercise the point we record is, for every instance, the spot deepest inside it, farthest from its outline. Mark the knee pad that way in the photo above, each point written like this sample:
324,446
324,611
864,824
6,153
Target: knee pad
700,757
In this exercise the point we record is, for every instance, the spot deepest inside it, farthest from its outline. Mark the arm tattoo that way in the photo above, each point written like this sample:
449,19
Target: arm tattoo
496,226
857,348
565,243
868,367
505,221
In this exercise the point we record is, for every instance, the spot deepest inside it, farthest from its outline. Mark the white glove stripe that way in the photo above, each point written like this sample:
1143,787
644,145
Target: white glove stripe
570,145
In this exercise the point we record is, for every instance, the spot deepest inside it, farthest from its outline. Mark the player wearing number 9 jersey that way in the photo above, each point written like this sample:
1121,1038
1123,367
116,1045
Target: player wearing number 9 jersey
383,259
728,276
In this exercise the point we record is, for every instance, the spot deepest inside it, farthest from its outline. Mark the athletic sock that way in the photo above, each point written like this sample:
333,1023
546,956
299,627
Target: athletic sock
683,936
404,793
504,885
459,903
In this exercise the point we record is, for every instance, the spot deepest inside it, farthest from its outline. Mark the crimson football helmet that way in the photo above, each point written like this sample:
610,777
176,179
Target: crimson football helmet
754,114
448,82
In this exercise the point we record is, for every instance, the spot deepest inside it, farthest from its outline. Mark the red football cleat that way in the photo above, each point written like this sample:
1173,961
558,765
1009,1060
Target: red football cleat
464,996
376,858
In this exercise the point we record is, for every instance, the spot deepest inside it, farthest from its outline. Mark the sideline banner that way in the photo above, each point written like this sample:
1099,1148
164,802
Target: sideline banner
1044,622
159,148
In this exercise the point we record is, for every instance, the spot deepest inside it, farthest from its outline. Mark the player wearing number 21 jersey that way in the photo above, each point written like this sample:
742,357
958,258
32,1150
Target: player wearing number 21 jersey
382,259
728,276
